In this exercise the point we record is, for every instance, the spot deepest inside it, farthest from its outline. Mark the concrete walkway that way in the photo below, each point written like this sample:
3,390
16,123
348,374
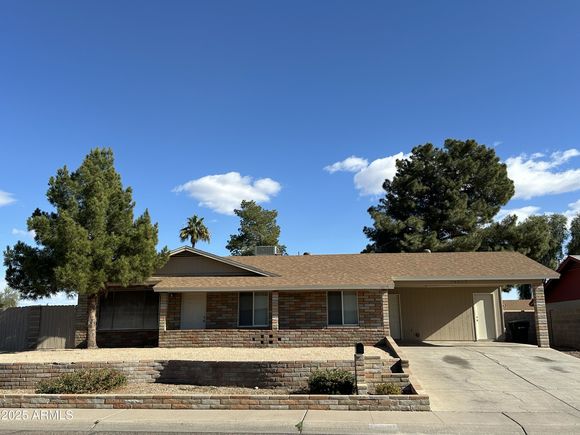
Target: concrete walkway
496,377
296,422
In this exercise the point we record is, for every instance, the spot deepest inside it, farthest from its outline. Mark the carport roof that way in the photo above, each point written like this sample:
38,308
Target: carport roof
362,271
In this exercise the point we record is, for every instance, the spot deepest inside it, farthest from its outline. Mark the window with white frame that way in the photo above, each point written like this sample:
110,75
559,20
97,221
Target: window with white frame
253,309
342,308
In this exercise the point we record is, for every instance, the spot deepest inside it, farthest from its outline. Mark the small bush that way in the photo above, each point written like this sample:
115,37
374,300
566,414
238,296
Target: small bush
82,382
388,388
331,382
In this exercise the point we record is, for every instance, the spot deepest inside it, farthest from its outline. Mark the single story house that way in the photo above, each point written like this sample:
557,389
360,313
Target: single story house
201,299
563,304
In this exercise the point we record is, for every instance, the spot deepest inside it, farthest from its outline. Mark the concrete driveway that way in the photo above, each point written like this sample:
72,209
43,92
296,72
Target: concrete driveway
496,377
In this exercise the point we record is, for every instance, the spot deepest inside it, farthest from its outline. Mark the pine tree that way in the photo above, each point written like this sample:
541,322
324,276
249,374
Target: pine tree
440,199
573,247
91,238
258,227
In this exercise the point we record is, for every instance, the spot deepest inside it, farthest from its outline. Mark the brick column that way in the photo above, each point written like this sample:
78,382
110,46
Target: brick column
275,320
386,326
81,322
163,303
541,316
359,364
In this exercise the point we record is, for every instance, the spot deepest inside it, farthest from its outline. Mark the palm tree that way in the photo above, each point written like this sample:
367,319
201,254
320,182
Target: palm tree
195,230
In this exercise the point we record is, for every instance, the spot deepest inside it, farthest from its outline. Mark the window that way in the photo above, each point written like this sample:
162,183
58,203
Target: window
253,309
342,308
129,310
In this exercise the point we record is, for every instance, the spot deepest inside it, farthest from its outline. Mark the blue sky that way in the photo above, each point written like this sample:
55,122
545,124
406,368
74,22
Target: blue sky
207,103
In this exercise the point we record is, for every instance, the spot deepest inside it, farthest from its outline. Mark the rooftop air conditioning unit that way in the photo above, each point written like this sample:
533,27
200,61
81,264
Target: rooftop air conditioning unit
266,250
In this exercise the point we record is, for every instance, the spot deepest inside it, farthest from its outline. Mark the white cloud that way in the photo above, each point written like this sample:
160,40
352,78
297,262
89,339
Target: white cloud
537,175
522,213
369,181
224,192
368,178
350,164
573,210
23,233
6,198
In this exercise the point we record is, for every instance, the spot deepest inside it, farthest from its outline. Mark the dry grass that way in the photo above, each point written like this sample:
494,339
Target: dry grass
194,354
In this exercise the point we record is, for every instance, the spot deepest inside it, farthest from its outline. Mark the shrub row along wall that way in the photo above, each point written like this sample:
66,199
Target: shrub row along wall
352,403
262,374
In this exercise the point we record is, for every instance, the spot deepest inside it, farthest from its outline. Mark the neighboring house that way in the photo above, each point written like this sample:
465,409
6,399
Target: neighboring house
201,299
563,304
516,310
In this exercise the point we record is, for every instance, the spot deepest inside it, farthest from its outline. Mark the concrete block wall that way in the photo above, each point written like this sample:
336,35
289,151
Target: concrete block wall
269,402
292,375
564,324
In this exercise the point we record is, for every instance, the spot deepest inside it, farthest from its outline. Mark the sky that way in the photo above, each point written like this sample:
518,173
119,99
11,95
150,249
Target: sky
301,106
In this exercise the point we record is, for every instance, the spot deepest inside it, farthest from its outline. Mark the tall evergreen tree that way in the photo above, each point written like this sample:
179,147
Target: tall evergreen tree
91,238
8,298
440,199
194,231
539,237
573,247
258,227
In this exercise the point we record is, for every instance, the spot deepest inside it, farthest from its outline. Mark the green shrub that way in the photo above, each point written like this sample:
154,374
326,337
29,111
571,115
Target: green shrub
331,382
388,388
83,381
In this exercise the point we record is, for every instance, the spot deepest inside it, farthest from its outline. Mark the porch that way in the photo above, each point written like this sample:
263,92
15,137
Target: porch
272,318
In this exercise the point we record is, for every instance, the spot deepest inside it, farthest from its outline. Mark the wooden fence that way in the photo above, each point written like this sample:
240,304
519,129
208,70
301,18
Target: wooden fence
37,327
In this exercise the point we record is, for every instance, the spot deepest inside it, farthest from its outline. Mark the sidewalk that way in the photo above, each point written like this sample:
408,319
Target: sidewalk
295,422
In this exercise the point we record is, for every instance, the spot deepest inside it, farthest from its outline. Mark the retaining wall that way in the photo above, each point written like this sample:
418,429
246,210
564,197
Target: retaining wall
270,402
292,375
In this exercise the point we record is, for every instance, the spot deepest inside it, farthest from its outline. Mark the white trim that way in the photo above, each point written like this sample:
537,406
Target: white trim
494,333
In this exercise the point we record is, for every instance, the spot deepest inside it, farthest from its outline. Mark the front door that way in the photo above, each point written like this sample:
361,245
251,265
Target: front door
193,310
395,316
483,316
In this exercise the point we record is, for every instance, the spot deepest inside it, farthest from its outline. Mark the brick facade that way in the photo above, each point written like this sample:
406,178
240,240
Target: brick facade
297,318
301,318
128,338
302,310
222,310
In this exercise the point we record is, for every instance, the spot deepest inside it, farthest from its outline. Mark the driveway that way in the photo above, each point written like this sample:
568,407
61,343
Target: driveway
496,377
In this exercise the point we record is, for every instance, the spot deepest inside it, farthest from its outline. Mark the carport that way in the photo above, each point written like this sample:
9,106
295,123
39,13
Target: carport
464,308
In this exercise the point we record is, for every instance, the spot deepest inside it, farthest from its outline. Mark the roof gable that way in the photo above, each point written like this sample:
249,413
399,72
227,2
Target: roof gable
187,261
570,259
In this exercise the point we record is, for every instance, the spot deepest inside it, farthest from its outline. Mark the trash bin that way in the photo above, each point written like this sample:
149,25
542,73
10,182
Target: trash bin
519,330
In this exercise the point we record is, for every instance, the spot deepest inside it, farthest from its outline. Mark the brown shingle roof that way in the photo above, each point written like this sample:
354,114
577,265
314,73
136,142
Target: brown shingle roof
375,271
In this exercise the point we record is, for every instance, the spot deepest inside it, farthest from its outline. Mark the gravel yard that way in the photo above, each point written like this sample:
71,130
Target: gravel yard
173,389
188,353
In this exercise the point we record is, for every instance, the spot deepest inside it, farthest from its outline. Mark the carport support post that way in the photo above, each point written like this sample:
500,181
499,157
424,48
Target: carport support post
275,321
541,316
385,300
163,304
